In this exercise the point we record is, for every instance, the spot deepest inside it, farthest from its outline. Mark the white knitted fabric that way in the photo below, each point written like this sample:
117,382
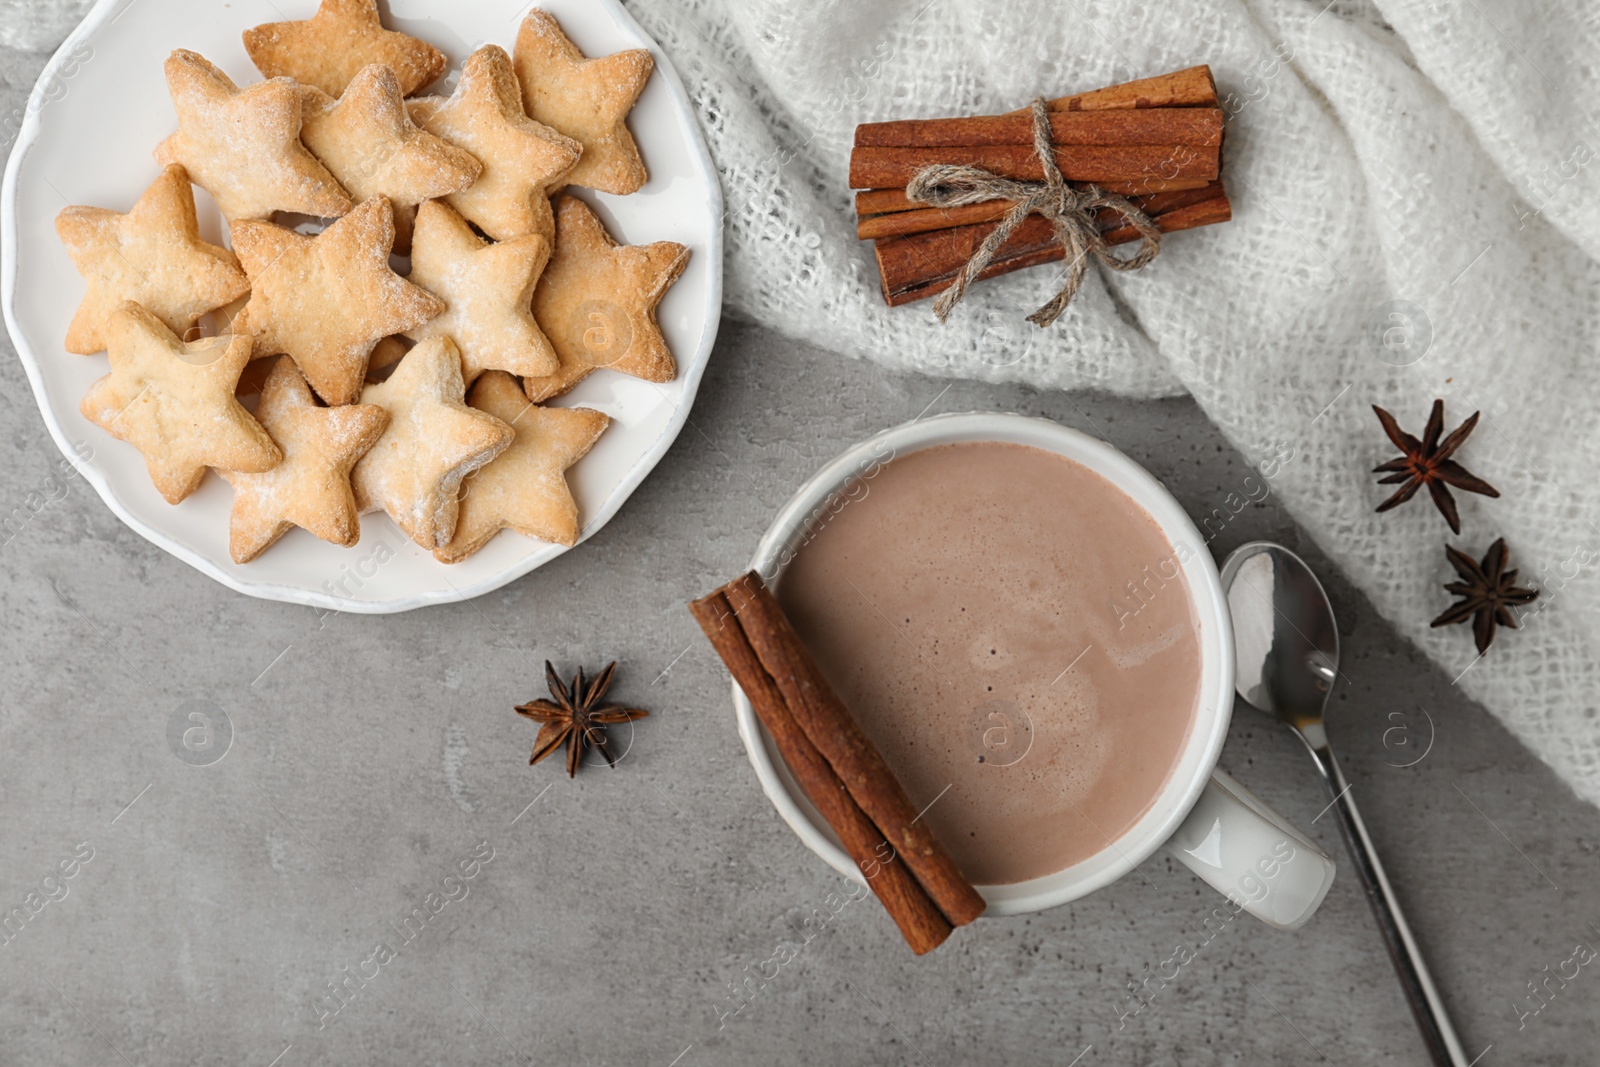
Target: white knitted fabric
1437,154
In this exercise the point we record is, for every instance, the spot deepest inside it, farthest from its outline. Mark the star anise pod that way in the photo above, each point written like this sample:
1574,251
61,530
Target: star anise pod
1427,463
1487,592
576,717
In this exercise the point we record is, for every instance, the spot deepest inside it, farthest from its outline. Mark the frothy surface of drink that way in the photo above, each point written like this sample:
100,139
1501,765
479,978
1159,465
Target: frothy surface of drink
1015,635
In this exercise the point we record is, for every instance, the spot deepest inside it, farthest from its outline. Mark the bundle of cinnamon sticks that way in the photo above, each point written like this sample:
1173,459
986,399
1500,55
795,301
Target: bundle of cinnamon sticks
1157,141
836,765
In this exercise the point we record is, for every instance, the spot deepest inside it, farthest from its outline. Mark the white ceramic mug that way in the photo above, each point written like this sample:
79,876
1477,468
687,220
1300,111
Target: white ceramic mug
1216,827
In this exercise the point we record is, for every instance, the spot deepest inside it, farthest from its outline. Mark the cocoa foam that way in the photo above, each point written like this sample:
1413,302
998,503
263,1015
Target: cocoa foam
988,613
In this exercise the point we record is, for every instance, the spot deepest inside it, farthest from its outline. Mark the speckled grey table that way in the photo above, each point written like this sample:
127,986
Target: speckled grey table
232,913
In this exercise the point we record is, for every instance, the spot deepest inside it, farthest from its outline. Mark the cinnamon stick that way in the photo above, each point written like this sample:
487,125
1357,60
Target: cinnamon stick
901,223
828,724
924,219
920,921
922,265
887,168
831,727
884,201
888,201
1207,212
1190,87
1154,126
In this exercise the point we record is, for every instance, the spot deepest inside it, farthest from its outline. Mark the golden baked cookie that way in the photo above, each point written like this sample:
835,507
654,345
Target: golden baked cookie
367,140
243,145
327,300
586,99
525,487
487,290
434,440
520,157
328,49
597,303
174,402
153,256
311,487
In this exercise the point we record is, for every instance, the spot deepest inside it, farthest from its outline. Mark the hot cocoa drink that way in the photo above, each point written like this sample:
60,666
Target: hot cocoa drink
1014,634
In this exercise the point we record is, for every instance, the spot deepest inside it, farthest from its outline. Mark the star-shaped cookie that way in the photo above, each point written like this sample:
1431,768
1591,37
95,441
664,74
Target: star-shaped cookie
488,293
153,256
311,487
174,402
597,303
520,157
243,145
525,487
328,49
367,140
434,440
586,99
327,300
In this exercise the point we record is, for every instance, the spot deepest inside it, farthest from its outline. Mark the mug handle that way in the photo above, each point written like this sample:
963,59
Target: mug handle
1250,854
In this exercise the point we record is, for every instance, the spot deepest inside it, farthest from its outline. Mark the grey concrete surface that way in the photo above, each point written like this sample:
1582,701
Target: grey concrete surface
372,759
371,756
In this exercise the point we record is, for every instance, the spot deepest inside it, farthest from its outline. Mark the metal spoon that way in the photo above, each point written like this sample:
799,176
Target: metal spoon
1288,656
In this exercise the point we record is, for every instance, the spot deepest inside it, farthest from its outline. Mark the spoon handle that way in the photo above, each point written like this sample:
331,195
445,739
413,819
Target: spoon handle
1437,1033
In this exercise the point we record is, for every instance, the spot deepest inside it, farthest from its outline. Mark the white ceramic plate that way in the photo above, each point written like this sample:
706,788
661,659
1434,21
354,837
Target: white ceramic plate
101,107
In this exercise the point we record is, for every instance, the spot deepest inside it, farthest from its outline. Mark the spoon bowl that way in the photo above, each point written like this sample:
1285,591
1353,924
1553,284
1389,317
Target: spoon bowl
1286,642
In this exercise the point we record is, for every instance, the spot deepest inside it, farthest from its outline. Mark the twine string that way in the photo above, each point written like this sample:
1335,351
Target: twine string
1071,213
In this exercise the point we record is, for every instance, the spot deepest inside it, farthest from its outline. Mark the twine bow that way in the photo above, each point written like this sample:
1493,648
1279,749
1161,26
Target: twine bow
1070,211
